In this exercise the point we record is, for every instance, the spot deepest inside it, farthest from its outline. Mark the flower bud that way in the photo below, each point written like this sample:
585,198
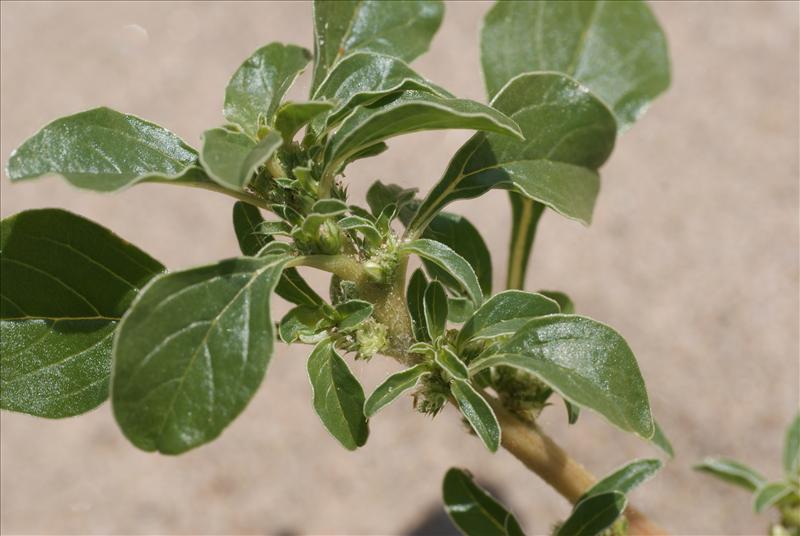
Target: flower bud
329,238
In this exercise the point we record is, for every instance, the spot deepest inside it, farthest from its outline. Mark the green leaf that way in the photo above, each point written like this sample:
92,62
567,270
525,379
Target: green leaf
525,216
505,306
301,323
392,387
338,397
412,111
594,514
102,150
791,449
449,261
352,313
586,362
770,494
365,77
617,49
473,510
564,301
415,298
66,282
191,352
660,440
452,364
626,478
459,309
568,133
400,29
232,158
380,195
573,412
292,287
435,309
259,84
733,472
293,116
478,413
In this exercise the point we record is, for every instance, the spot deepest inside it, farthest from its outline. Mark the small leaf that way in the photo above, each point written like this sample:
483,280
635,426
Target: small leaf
791,449
300,323
353,313
435,308
473,510
770,494
459,309
415,297
329,207
525,216
564,301
573,412
452,364
292,116
259,84
400,29
586,362
733,472
660,440
505,306
380,195
66,282
594,514
102,150
338,397
478,413
362,225
232,158
626,478
191,352
449,261
392,387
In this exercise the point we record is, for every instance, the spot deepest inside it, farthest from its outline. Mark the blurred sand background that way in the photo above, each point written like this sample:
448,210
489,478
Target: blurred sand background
693,256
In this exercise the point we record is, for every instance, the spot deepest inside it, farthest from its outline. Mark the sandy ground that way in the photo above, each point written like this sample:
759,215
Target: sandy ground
693,257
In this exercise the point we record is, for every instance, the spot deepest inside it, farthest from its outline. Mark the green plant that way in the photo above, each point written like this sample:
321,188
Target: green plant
87,316
783,495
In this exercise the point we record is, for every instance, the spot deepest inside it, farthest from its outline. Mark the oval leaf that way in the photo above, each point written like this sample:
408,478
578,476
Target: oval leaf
452,364
392,387
626,478
770,494
232,158
478,413
449,261
733,472
504,306
473,510
415,298
293,116
191,352
435,308
594,514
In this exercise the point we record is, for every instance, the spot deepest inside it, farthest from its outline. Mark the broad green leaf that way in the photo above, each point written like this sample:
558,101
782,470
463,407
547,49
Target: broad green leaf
617,49
586,362
660,440
770,494
568,133
473,510
412,111
435,309
368,152
478,413
365,77
449,261
292,287
259,84
338,397
626,478
415,298
403,29
66,282
594,514
733,472
102,150
293,116
505,306
352,313
392,387
564,301
525,216
191,352
231,159
459,309
381,195
452,364
329,207
791,449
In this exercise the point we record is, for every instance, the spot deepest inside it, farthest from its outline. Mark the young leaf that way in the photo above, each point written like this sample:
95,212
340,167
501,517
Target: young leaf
791,449
259,84
452,364
353,313
617,49
400,29
733,472
415,298
594,514
338,397
293,116
586,362
232,158
191,352
478,413
660,440
568,132
449,261
564,301
525,216
380,195
65,284
770,494
626,478
301,322
573,412
412,111
459,309
392,387
473,510
102,150
505,306
435,308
